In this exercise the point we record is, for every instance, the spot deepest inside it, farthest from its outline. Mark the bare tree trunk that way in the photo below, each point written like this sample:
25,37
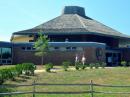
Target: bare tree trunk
42,61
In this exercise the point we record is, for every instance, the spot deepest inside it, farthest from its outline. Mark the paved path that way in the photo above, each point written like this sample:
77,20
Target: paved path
60,69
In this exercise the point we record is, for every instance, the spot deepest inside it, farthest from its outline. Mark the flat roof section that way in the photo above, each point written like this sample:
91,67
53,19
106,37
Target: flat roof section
5,44
65,44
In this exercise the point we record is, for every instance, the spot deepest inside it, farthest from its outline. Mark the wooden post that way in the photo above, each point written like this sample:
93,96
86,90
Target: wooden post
34,88
91,88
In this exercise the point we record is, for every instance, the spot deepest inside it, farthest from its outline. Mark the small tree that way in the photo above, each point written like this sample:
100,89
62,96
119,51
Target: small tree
65,65
41,46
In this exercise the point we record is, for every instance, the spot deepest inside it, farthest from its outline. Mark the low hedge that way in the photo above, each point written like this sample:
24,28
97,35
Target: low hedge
12,72
28,68
48,67
7,73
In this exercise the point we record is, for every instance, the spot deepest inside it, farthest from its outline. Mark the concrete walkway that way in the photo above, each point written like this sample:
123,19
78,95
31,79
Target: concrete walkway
60,69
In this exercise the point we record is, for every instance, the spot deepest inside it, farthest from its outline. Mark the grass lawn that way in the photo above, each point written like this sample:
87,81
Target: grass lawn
111,76
6,66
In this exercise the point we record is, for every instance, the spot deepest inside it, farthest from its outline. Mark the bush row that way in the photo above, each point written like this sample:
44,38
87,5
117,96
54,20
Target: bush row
125,63
17,70
78,65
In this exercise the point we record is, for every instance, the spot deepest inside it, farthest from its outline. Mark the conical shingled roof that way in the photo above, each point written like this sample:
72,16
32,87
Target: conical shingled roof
74,21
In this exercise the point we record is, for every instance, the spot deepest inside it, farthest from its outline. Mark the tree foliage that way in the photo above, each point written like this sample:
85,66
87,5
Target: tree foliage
41,46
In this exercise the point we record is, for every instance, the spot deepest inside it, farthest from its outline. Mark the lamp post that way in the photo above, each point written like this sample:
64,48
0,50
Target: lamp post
76,58
83,60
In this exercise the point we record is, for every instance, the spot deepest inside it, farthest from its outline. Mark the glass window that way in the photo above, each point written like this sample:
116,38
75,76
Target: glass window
68,48
33,48
28,48
6,53
4,61
73,48
56,48
0,53
8,61
23,48
30,35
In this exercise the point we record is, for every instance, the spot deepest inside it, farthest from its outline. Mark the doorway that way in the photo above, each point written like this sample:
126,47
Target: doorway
113,59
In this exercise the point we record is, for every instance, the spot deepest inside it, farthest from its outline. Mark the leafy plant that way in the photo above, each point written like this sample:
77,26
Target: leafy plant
7,73
124,63
28,68
1,77
83,66
97,65
11,73
66,65
91,65
48,67
77,65
103,64
128,63
5,90
19,69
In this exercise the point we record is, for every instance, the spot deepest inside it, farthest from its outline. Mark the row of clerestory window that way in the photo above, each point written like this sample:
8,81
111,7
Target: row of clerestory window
69,48
28,48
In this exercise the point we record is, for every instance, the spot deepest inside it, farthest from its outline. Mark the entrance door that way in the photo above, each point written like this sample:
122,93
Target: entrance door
113,59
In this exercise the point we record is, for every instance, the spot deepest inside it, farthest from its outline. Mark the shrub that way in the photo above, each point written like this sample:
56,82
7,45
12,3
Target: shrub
97,65
1,77
66,65
7,73
103,64
19,69
123,63
83,66
128,63
48,67
28,68
91,65
77,65
11,73
5,90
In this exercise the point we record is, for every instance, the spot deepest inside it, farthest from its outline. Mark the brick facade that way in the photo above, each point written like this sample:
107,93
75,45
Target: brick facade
56,57
126,54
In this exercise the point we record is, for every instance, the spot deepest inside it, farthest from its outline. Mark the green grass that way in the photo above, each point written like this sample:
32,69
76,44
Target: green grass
111,76
6,66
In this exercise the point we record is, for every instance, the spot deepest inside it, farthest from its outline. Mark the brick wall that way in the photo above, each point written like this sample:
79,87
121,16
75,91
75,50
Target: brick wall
126,54
55,57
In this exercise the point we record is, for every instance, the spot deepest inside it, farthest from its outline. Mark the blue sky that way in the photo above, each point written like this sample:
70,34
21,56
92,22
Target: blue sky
16,15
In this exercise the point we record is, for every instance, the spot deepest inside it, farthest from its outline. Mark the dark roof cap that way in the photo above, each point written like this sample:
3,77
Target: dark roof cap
74,10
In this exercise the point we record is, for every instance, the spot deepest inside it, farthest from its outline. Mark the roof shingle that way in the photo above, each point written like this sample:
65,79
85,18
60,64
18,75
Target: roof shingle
74,24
